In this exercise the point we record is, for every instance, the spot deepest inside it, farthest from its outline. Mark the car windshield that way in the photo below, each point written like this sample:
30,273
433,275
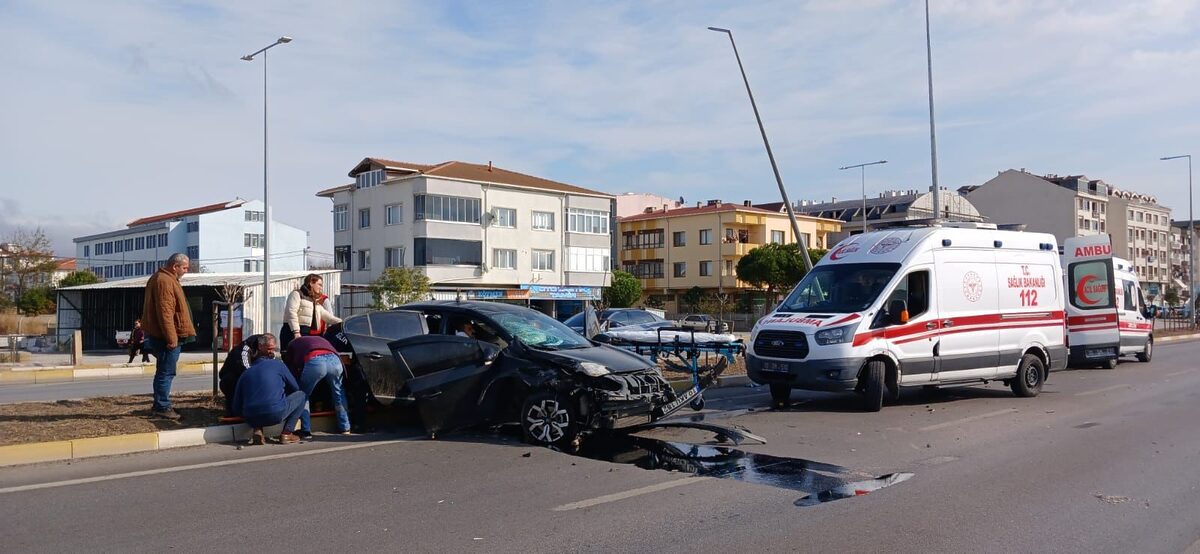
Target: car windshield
540,331
839,288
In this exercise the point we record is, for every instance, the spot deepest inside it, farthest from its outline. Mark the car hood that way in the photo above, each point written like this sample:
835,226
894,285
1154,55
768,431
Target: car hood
615,359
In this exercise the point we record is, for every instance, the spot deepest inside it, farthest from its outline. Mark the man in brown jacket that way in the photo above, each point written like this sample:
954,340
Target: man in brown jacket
167,321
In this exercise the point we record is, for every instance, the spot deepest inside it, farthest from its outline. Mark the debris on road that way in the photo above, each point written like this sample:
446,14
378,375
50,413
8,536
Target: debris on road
1112,499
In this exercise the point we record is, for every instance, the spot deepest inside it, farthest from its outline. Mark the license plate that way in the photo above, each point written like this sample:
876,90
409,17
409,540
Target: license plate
779,367
1098,353
683,399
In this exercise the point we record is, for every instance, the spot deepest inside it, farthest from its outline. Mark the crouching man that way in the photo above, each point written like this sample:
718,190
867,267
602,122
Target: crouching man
267,394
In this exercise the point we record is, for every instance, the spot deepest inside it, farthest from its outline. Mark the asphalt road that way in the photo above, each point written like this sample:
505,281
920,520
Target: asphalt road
1102,461
91,388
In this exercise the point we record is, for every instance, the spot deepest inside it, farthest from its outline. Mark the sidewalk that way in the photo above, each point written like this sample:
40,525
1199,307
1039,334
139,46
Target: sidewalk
52,368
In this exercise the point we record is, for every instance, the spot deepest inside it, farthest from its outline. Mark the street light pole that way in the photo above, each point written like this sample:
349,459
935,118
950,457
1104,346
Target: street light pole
787,204
937,192
863,175
1191,241
266,297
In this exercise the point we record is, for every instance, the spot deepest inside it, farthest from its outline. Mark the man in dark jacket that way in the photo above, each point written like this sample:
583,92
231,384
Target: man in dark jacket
239,359
316,359
167,320
266,395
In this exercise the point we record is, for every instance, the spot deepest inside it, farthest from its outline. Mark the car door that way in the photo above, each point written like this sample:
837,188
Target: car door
912,342
369,335
968,312
448,375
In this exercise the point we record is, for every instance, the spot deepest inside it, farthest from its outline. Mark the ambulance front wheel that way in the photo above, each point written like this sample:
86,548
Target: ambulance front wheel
873,386
781,396
1147,352
1031,374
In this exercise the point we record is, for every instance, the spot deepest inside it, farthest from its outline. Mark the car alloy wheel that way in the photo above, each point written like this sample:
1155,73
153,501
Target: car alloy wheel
546,420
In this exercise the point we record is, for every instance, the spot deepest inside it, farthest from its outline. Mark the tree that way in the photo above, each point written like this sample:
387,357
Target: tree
399,285
1171,296
690,300
76,278
30,260
624,290
36,301
775,267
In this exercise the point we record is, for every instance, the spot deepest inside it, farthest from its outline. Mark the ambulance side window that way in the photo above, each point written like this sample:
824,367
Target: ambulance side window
1130,296
913,290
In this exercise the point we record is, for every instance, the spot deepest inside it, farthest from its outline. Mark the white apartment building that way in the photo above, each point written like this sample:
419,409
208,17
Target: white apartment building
477,231
1182,249
226,237
1141,233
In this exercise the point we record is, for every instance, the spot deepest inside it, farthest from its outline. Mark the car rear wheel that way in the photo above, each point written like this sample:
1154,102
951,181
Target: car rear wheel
873,386
1147,352
1110,363
1031,373
548,419
781,396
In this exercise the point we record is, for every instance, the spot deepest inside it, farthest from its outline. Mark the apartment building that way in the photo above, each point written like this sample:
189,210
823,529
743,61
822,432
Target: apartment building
1182,250
889,207
1063,206
1141,232
226,237
477,231
675,249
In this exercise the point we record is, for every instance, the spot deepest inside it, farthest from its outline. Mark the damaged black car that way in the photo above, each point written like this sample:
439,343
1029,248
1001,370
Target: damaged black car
467,363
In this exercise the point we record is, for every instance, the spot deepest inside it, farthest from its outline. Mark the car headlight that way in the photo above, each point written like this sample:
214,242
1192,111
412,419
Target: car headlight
836,335
593,369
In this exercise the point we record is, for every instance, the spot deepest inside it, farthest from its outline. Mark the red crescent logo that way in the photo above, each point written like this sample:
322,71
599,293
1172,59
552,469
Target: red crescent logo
842,250
1080,290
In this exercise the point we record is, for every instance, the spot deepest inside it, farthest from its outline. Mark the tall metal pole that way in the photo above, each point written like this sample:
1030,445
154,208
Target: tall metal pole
863,175
932,132
774,167
1191,241
266,294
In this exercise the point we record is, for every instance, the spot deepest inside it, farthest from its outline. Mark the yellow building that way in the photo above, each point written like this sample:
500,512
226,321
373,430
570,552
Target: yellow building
676,249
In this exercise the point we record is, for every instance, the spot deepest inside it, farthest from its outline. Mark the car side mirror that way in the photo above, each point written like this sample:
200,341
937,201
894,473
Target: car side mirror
898,310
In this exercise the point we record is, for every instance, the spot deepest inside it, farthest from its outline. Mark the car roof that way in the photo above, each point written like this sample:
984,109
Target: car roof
469,305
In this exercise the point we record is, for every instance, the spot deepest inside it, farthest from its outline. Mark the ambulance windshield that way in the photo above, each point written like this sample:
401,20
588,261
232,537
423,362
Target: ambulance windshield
840,288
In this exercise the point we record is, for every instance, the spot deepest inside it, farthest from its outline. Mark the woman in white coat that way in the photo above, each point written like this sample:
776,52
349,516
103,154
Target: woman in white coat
305,312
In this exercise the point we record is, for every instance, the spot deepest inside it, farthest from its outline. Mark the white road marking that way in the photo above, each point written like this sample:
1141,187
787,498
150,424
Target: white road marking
222,463
1105,389
1194,548
1178,373
968,419
629,493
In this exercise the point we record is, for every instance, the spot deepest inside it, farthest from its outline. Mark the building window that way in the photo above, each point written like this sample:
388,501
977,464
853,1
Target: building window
392,214
193,226
364,260
446,208
119,246
728,268
447,252
139,243
364,218
341,257
506,217
152,241
340,215
645,269
252,215
777,237
503,258
87,251
543,221
679,238
542,260
253,240
652,238
129,245
705,268
594,260
705,236
393,257
162,240
193,253
680,269
369,178
587,221
247,265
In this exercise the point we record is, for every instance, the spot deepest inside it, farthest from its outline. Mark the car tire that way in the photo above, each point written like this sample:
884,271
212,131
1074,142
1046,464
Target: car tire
873,386
1147,352
1031,374
549,419
781,396
1110,363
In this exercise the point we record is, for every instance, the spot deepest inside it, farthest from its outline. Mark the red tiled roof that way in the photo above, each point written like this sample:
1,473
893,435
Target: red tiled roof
171,216
66,265
454,169
680,212
329,192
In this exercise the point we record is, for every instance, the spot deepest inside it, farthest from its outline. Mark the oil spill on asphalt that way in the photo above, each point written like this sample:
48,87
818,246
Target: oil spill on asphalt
819,482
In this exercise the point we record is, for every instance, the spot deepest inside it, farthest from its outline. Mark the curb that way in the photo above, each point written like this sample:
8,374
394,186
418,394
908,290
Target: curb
38,452
66,374
1178,338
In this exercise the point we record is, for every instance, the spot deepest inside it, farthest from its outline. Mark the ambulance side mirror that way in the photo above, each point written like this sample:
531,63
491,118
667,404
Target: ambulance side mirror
898,310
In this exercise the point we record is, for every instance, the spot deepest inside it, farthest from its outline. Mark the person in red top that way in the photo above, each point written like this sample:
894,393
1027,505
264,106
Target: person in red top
314,358
137,343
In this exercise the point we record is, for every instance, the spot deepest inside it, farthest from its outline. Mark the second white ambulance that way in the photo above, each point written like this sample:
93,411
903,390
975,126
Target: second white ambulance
1107,316
918,306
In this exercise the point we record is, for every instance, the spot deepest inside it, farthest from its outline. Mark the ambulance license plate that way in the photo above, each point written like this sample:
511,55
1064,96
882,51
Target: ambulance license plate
1098,353
777,367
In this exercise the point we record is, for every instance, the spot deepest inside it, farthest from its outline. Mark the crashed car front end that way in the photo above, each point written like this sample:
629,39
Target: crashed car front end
617,401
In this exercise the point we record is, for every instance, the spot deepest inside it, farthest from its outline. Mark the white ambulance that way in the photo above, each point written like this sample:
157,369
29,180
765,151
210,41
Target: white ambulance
918,306
1107,316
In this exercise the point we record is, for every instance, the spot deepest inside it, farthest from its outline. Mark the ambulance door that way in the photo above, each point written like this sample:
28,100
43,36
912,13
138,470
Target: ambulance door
912,342
1092,320
968,313
1134,326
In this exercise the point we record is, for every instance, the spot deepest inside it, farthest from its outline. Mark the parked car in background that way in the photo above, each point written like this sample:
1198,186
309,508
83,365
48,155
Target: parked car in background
613,318
704,322
463,364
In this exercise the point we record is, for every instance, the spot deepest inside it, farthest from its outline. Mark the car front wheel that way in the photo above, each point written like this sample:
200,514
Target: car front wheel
549,419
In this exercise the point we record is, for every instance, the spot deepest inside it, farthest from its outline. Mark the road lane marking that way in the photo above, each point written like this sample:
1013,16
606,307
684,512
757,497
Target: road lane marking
206,465
968,419
1178,373
1105,389
629,494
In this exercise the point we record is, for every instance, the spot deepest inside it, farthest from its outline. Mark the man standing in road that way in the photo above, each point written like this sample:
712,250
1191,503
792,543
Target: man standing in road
167,321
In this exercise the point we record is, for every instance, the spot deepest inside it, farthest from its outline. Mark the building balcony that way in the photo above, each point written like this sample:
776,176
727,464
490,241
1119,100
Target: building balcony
737,249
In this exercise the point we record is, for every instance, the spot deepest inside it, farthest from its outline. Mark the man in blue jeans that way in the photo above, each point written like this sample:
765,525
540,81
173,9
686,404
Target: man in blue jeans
267,394
314,358
167,320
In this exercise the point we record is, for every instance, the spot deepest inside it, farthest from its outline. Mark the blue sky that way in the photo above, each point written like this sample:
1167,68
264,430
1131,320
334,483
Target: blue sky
116,110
